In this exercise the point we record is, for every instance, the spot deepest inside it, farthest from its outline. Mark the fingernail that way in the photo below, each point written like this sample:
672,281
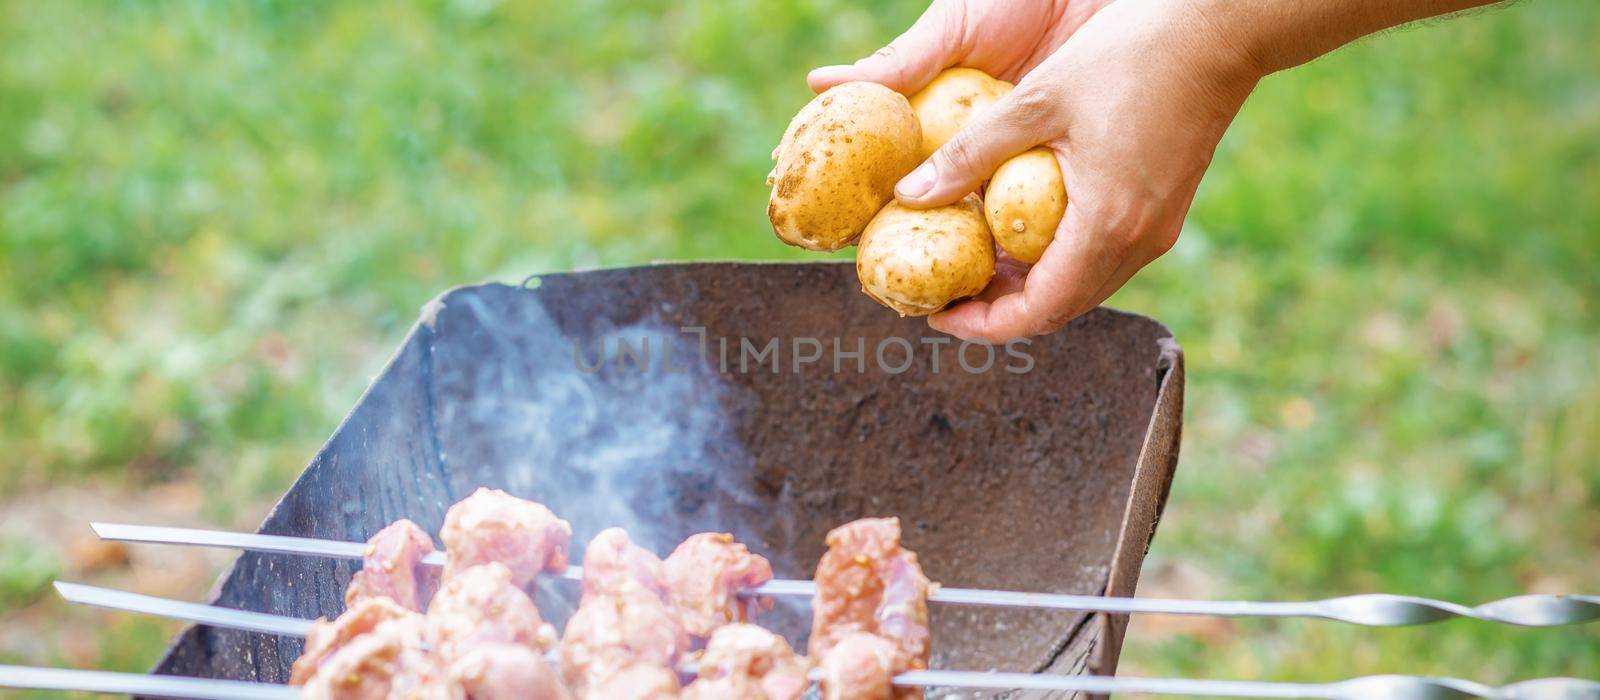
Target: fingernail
828,74
918,183
942,323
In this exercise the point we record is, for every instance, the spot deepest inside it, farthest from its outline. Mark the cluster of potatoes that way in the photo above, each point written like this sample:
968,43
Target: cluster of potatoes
833,186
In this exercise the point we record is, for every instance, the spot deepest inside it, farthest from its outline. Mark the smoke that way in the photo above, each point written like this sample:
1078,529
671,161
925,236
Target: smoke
624,428
628,426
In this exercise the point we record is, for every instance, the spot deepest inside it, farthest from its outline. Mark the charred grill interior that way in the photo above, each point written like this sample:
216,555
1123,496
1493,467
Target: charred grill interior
1046,481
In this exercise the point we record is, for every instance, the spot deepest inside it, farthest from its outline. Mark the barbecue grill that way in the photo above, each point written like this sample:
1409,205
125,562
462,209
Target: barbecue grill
772,401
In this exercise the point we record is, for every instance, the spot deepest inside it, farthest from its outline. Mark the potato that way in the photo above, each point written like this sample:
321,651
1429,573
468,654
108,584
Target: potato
838,163
947,103
917,261
1024,203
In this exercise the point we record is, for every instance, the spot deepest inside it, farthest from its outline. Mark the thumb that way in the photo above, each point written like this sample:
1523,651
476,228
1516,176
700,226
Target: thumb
1024,118
907,63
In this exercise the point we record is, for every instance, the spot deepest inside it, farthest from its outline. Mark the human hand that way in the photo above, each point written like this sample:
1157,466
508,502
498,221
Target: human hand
1005,39
1132,98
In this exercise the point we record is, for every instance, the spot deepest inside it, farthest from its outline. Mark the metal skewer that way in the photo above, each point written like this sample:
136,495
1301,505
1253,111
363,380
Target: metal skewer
1365,688
1375,609
199,613
63,679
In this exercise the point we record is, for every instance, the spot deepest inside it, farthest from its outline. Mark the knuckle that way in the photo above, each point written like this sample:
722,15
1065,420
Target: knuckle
1052,322
1041,318
961,154
888,65
1124,223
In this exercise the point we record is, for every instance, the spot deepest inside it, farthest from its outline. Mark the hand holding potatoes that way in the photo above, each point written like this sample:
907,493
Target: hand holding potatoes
1025,199
1131,97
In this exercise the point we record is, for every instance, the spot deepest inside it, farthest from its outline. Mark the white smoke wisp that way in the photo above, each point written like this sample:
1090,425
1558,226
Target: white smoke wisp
626,428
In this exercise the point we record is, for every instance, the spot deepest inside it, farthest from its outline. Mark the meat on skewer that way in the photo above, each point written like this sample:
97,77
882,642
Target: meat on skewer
746,661
480,606
866,582
392,568
483,637
623,619
638,682
612,632
613,564
389,661
705,575
507,672
327,636
860,667
494,526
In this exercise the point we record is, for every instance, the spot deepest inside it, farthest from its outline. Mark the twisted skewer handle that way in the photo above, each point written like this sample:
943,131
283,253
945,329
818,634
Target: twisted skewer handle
1419,688
1524,610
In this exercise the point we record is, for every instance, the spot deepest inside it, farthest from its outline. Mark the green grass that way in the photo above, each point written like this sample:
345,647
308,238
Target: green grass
217,218
25,569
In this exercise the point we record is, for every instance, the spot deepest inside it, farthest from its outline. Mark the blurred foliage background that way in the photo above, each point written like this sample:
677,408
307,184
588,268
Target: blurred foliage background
218,218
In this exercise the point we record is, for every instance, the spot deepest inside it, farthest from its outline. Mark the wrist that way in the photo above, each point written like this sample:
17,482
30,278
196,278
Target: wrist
1221,62
1233,35
1273,35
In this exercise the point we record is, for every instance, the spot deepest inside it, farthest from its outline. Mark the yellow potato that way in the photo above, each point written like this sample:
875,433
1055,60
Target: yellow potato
917,261
1024,203
947,103
838,163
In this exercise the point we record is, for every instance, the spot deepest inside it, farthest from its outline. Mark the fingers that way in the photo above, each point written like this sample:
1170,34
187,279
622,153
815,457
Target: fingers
1009,276
907,63
1078,271
1024,118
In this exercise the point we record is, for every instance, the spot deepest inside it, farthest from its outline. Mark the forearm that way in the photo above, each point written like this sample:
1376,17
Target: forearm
1278,34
